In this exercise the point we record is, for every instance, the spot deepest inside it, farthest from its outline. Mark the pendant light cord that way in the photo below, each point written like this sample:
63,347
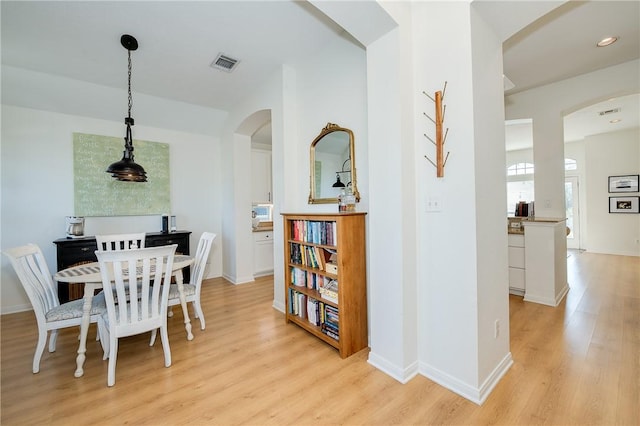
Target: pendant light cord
129,121
129,84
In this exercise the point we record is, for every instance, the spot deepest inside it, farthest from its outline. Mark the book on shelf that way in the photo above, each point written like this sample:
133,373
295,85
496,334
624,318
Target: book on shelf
319,253
330,331
313,311
331,315
316,232
329,290
298,277
297,304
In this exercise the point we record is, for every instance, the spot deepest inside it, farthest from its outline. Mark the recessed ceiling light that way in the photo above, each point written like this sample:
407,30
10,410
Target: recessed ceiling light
616,120
607,41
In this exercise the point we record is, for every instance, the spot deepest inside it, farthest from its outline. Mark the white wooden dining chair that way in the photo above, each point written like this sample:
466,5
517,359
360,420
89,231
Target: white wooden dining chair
135,309
51,316
191,290
111,242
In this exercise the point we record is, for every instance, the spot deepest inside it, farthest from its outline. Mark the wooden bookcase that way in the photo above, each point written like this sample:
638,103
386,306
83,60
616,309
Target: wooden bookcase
307,237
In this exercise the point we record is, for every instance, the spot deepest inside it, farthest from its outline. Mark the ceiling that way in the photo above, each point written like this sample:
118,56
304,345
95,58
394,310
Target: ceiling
178,41
566,37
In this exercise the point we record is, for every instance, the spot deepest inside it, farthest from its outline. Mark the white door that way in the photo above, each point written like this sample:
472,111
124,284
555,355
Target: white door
571,195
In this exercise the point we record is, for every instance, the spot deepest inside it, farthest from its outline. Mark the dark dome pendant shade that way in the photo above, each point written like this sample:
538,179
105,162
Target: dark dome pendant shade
127,170
339,183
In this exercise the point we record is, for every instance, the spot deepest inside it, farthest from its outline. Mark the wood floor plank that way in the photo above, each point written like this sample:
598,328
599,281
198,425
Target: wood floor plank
578,363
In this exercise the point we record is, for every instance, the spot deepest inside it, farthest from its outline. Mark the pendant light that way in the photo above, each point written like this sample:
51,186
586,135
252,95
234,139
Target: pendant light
339,183
127,170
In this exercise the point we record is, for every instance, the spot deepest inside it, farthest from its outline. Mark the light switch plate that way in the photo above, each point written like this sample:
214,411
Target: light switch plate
434,204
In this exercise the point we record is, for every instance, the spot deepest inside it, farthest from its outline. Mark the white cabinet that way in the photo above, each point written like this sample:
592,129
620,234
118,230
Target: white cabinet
516,264
538,261
546,259
262,253
261,176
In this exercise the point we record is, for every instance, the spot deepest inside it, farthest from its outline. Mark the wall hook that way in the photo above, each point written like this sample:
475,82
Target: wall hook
440,139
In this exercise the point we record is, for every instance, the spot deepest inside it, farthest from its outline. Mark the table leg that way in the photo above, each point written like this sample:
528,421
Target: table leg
183,303
84,328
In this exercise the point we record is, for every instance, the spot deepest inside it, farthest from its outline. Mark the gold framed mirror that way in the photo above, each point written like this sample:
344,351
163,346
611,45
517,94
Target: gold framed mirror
332,166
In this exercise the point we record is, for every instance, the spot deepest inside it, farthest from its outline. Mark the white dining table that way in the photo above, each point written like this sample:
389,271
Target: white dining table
89,274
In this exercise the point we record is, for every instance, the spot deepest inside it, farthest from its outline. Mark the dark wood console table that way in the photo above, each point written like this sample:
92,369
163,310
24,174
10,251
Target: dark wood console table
74,251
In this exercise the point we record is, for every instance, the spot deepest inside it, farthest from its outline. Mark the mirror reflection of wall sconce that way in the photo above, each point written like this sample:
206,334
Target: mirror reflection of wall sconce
441,160
333,145
339,183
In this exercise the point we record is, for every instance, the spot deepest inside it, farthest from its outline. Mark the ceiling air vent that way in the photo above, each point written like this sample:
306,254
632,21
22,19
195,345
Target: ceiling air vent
610,111
224,63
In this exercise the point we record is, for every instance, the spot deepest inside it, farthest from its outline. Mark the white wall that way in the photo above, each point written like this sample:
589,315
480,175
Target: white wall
331,87
547,105
519,156
600,156
37,180
611,154
302,98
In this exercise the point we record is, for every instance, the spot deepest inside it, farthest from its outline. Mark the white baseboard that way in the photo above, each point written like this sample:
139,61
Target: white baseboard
278,306
516,291
549,301
473,394
495,376
403,375
16,308
235,280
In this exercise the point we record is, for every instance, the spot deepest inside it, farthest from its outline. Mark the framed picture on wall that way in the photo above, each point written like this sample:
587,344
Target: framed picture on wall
626,183
624,204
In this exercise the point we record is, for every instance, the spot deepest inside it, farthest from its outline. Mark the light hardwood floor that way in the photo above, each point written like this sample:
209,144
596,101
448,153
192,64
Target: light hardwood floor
578,363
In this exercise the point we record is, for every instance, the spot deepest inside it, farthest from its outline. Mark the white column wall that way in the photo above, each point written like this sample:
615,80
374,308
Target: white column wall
494,356
463,286
391,280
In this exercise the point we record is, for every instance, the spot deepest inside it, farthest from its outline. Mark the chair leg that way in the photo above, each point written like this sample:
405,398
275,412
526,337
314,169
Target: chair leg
170,311
53,338
103,333
153,337
113,354
164,337
42,341
199,314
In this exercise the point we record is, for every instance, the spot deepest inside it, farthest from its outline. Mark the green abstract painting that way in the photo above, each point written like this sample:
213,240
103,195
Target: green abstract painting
96,193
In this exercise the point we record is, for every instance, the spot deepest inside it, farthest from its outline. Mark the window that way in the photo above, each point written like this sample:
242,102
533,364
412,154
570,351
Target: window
519,185
516,192
570,164
520,169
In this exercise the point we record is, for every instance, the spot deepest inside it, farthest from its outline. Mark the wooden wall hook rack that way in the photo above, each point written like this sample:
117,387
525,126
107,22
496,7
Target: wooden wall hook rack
441,158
